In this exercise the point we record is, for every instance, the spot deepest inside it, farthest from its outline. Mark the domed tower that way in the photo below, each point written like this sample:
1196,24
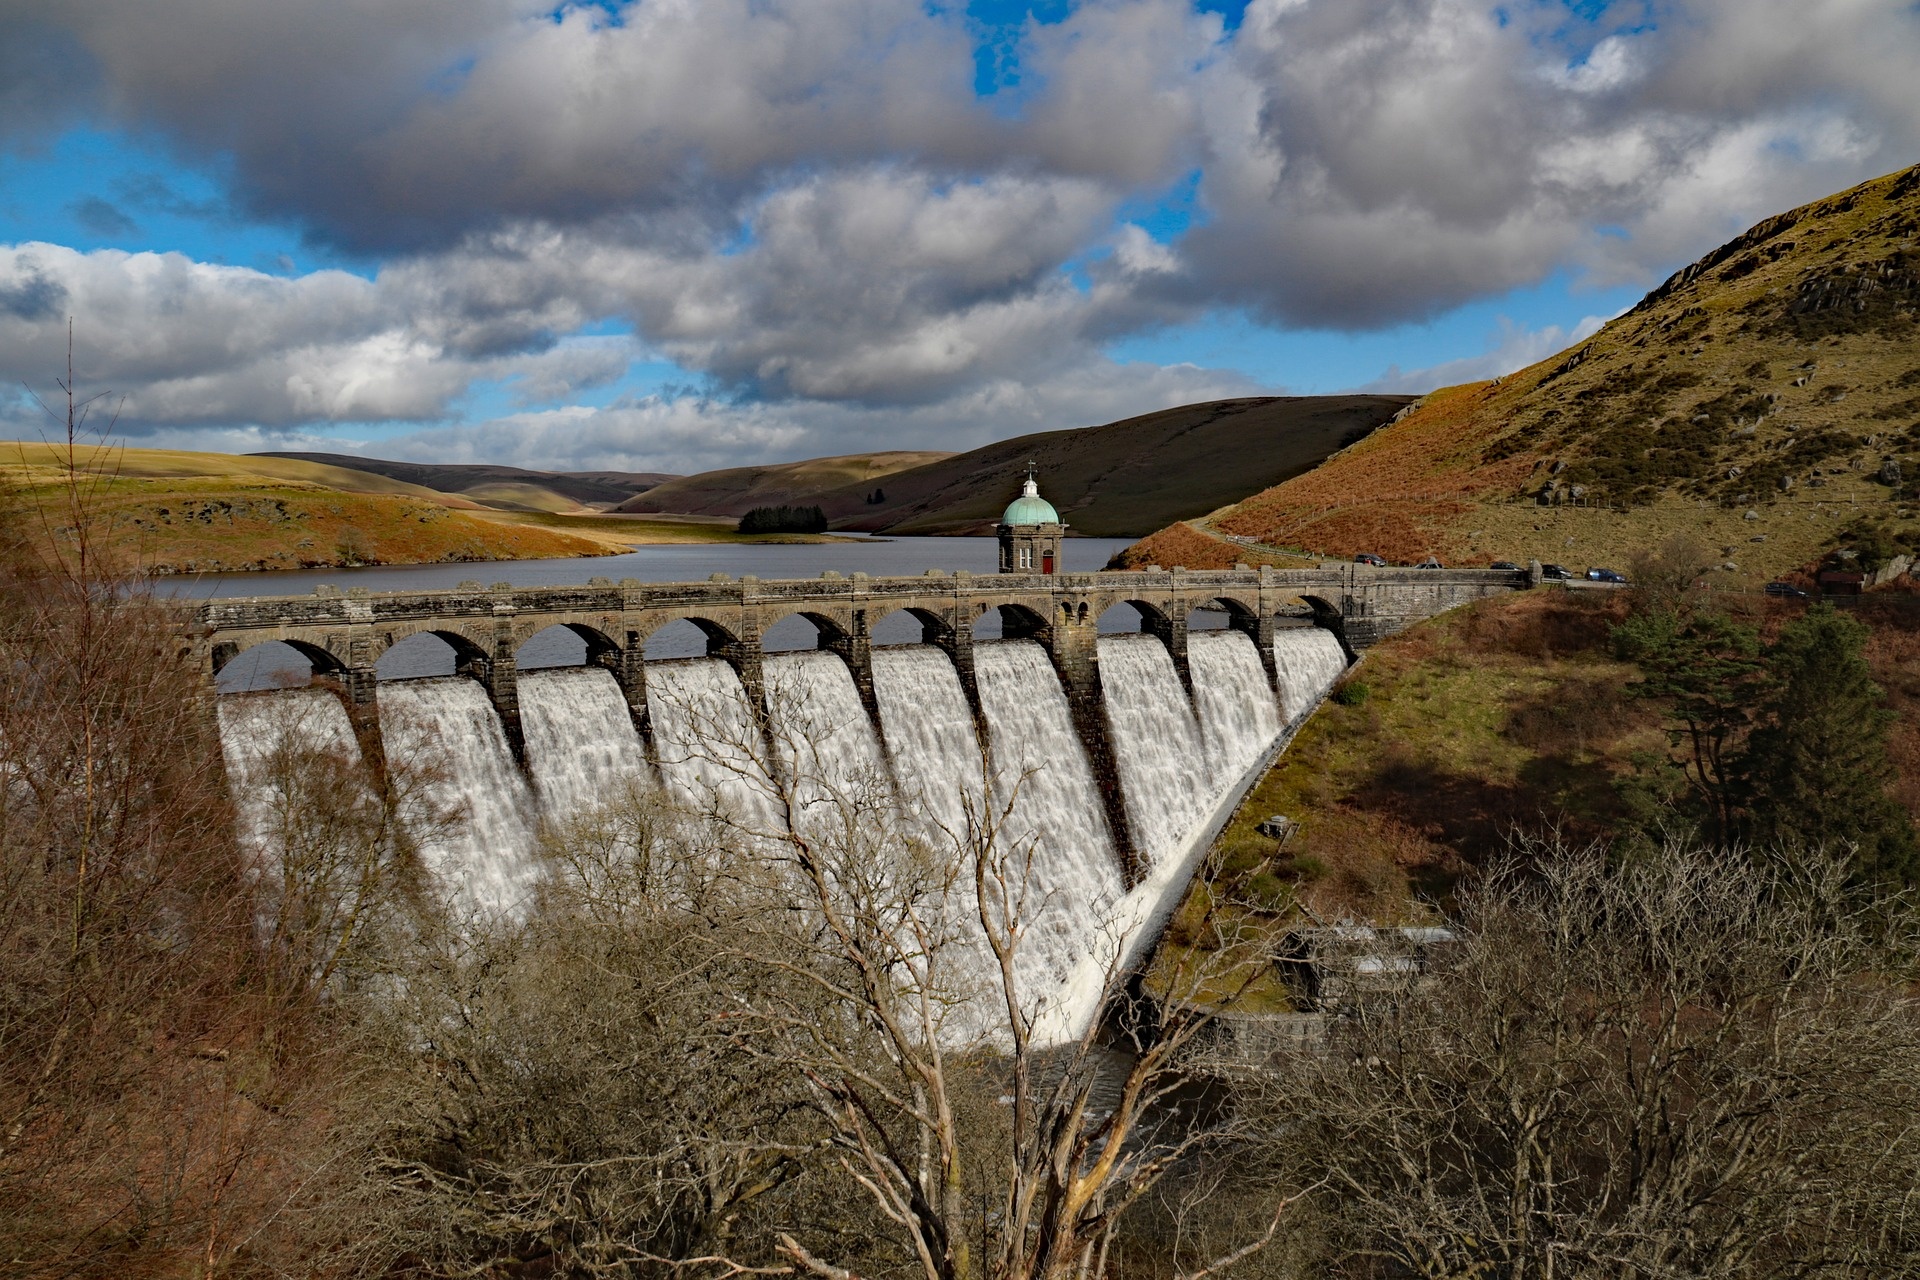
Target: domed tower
1030,532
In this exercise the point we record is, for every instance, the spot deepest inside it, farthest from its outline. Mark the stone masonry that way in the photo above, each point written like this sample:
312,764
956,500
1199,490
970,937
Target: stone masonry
344,634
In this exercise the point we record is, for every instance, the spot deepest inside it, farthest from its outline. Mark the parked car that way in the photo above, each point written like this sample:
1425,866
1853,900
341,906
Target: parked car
1367,557
1786,589
1606,575
1558,573
1504,564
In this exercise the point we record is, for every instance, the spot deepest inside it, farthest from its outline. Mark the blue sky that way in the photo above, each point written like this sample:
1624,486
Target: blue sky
672,236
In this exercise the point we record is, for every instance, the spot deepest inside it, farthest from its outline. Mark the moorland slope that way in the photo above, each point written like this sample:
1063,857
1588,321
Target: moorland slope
734,491
1765,398
172,511
507,488
1125,477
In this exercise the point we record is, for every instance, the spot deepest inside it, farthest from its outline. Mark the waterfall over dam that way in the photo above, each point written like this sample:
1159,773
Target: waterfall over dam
1020,724
943,743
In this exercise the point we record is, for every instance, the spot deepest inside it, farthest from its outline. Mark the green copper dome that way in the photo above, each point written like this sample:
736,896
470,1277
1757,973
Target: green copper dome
1030,507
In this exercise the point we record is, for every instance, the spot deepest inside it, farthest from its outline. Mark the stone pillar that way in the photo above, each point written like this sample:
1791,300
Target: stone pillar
500,675
957,640
1074,648
747,659
361,679
629,667
855,648
361,683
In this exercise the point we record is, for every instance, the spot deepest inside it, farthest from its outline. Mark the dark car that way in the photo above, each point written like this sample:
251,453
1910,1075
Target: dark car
1786,589
1504,564
1606,575
1367,557
1557,572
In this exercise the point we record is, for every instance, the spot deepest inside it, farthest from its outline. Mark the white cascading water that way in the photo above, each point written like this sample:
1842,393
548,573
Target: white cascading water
822,737
582,748
1309,660
705,741
474,817
1239,717
1040,766
1179,763
1165,770
930,741
253,726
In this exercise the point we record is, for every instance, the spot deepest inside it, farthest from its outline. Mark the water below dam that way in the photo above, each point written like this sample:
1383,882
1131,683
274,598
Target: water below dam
946,769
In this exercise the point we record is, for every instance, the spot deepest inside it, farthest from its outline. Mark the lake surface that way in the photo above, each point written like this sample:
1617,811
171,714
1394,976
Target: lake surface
690,562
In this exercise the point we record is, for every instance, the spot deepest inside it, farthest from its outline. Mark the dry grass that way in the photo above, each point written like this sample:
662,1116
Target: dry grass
221,525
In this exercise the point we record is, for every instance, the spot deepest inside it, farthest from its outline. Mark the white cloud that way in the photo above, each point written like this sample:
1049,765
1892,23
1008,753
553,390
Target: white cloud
804,204
1512,347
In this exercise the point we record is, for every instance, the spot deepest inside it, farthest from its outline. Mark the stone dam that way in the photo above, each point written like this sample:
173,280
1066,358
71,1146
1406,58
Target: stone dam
1117,718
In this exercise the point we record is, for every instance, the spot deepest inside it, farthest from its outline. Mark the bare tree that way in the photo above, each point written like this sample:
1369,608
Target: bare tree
989,1144
1691,1065
566,1093
151,1104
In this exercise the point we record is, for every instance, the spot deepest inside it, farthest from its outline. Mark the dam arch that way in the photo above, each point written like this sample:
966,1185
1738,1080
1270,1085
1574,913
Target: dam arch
427,652
925,626
272,664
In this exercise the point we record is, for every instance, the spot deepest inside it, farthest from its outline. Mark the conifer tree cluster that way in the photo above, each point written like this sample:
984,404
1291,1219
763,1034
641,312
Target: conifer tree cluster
1783,744
784,519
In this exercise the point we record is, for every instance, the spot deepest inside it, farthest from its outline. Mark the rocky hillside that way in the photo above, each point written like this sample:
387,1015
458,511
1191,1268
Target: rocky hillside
1765,399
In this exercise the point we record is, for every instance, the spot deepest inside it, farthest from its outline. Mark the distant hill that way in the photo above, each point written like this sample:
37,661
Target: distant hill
735,491
1125,477
174,511
509,488
1765,398
1111,481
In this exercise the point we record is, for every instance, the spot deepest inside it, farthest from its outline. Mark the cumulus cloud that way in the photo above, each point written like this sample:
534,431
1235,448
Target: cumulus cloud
1383,160
179,341
695,433
806,205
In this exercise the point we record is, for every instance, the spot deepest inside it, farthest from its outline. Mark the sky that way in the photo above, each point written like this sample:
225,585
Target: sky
670,235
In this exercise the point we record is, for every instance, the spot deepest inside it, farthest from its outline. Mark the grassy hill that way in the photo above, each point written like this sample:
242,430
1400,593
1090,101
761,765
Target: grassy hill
508,488
169,511
1765,399
734,491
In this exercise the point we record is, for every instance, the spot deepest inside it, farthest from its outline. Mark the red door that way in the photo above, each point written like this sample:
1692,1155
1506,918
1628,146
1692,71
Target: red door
1046,562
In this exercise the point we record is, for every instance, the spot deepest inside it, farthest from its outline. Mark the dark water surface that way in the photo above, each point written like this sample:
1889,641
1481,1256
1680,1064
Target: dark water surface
689,562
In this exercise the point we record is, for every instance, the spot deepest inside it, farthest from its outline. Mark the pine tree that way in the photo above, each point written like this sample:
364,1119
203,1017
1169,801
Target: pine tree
1817,769
1708,674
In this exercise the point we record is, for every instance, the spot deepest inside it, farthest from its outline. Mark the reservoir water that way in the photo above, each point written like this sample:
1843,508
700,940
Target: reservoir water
881,557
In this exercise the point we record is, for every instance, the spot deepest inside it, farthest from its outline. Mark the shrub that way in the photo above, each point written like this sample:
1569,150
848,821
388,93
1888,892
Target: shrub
1354,693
